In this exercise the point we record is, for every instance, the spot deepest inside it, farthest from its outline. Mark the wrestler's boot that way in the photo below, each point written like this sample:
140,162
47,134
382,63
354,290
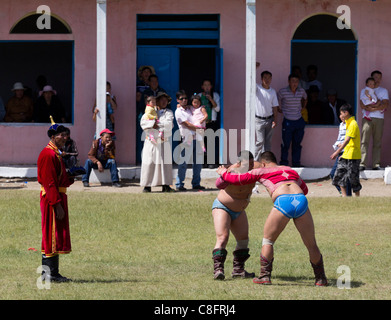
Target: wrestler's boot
240,257
52,263
320,276
219,256
266,271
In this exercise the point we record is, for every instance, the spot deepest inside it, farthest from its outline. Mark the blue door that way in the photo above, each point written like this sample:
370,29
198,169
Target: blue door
165,61
184,50
220,90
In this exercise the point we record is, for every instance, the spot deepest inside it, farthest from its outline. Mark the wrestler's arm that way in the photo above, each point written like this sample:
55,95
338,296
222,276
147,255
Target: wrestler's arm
241,179
221,184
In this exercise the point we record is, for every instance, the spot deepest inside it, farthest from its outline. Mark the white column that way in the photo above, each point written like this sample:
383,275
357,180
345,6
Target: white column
250,74
101,65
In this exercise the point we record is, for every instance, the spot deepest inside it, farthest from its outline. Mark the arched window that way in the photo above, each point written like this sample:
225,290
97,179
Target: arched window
28,25
319,42
36,63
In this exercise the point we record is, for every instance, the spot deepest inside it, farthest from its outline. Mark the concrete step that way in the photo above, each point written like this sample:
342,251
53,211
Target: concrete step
133,173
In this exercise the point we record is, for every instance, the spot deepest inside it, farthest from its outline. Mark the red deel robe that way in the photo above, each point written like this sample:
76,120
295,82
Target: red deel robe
54,180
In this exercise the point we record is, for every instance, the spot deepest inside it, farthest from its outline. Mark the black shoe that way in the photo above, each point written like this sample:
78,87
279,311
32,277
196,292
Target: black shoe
57,278
147,189
166,188
297,165
86,184
198,188
181,189
116,185
362,168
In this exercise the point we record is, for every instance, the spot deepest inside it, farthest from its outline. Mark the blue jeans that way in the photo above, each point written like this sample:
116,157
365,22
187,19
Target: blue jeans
292,132
109,164
196,158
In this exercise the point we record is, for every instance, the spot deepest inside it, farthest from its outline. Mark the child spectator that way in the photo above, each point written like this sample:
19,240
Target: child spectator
368,97
199,118
111,107
151,114
336,145
349,162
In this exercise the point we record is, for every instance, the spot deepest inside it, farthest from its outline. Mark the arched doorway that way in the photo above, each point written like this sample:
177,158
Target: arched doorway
318,41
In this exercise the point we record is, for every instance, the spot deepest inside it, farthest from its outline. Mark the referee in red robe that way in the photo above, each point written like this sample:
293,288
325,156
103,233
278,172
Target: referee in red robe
54,181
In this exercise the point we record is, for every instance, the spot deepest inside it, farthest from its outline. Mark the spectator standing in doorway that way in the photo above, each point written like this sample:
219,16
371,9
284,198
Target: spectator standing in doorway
291,100
211,101
265,114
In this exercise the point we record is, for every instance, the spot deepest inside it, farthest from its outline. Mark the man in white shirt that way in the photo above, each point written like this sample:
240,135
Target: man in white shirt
194,152
265,114
373,127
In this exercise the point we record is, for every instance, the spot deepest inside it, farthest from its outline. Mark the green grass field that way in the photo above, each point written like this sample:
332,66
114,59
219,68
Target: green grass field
158,246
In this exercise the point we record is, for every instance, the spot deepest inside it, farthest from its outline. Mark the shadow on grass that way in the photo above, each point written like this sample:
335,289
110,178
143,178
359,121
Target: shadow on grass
304,281
103,281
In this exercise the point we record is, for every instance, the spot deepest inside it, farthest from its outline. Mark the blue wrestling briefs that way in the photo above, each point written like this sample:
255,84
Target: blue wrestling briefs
218,205
291,205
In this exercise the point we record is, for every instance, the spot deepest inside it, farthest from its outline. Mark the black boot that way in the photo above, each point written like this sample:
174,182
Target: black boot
240,257
219,256
167,188
52,265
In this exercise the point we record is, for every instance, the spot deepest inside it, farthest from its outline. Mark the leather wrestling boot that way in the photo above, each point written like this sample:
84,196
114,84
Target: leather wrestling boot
53,275
266,271
320,276
219,256
240,257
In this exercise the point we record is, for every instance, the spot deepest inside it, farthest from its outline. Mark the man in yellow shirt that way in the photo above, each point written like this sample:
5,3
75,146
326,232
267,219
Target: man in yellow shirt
349,163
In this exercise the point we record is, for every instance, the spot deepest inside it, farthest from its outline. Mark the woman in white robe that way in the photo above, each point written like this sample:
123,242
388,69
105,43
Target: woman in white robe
156,157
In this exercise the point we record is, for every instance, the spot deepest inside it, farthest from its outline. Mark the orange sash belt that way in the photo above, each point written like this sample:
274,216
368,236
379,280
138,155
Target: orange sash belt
60,189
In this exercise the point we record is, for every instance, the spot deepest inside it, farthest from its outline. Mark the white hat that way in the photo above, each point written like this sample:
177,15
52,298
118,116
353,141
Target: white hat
18,86
46,89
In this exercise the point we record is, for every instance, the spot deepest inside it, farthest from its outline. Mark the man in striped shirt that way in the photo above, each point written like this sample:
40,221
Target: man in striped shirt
292,99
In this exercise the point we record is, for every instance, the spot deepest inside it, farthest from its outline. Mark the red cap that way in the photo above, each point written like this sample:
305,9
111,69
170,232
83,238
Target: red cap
107,131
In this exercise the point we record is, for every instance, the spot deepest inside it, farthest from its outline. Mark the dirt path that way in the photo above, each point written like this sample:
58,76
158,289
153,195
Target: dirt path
323,188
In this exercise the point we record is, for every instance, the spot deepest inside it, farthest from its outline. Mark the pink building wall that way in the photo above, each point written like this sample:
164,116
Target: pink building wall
276,24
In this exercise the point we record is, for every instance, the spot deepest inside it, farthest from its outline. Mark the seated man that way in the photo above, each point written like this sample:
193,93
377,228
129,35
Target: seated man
102,156
69,151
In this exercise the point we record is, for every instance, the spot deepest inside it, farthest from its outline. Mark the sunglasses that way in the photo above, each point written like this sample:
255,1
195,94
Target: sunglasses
183,98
